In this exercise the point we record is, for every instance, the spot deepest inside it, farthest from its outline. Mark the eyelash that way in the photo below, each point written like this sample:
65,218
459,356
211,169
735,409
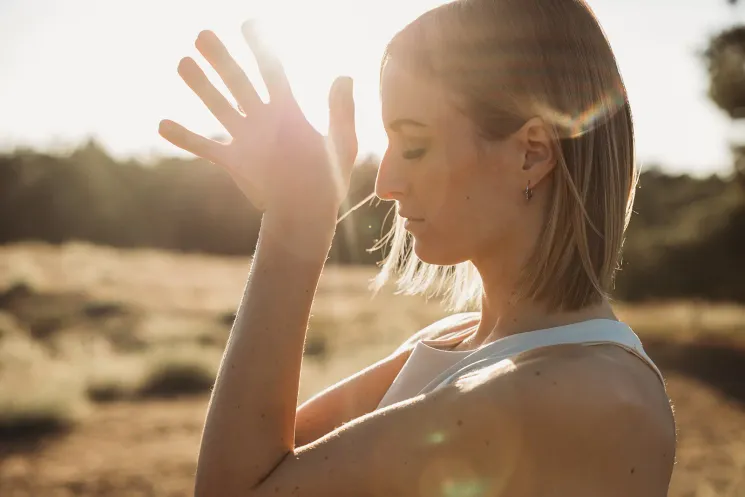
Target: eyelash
413,154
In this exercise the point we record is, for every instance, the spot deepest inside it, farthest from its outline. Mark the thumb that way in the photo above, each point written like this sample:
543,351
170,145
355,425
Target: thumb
342,129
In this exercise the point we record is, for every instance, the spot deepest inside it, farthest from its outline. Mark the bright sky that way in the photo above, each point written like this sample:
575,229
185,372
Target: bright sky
70,69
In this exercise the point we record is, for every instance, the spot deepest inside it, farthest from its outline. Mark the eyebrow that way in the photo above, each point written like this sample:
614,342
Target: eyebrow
396,124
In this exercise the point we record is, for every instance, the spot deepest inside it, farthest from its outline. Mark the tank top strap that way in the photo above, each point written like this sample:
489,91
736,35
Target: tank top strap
591,332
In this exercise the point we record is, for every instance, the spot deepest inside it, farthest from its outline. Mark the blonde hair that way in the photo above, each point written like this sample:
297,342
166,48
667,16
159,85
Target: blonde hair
509,60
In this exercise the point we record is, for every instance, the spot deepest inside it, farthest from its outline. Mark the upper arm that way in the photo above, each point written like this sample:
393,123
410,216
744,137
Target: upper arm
489,434
415,447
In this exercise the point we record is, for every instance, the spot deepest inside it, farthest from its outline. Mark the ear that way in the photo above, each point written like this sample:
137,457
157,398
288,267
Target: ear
538,146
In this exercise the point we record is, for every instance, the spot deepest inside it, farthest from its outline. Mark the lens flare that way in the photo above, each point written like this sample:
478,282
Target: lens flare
574,126
464,488
436,438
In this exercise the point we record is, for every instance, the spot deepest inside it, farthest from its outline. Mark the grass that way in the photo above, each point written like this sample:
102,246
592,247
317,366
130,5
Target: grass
51,408
38,394
115,377
164,334
46,386
180,371
686,322
163,372
153,324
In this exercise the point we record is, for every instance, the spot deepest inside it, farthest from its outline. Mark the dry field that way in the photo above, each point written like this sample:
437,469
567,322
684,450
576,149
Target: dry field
106,359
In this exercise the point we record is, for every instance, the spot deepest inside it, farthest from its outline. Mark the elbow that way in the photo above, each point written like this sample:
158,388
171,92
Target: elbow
232,480
225,486
222,492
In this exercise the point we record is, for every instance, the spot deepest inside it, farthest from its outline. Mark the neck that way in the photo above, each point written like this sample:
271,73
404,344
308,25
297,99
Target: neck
501,316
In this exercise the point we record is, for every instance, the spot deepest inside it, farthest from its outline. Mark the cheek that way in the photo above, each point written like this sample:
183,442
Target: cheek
481,204
468,187
462,187
451,178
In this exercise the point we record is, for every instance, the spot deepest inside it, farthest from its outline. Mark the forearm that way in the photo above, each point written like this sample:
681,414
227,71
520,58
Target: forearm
251,417
349,399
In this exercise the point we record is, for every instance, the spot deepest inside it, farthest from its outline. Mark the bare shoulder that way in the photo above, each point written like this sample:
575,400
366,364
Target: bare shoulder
563,420
599,408
449,324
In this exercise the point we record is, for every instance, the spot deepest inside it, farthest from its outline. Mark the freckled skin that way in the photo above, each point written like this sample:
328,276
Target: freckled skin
469,195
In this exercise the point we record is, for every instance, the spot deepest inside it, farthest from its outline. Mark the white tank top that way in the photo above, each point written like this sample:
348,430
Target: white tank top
429,368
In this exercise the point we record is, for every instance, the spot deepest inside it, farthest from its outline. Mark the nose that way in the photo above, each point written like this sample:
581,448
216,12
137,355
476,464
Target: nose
390,183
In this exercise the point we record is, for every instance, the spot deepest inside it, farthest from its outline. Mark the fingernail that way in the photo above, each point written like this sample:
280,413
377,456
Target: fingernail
248,28
163,126
184,64
204,35
347,83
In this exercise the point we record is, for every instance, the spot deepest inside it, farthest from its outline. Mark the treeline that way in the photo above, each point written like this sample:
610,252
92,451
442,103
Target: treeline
686,238
187,205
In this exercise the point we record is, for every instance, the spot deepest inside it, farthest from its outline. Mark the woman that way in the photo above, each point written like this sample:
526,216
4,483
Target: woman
511,164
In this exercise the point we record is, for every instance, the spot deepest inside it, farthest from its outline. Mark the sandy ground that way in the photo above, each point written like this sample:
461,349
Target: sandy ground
149,447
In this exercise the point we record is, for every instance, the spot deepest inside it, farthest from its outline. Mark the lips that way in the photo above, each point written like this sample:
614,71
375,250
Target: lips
412,224
411,218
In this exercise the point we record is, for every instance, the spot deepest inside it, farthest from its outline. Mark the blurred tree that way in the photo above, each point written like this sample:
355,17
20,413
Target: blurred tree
725,62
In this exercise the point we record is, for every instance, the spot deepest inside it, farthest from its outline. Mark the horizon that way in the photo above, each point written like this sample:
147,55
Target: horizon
677,127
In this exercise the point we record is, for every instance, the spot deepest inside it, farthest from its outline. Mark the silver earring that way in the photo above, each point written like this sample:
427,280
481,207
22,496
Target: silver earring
528,192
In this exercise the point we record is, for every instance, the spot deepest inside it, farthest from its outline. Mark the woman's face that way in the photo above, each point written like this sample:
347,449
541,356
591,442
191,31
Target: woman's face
463,197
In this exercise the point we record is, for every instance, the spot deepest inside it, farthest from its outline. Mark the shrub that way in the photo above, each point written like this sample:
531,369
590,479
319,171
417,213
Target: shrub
180,371
316,345
116,377
38,396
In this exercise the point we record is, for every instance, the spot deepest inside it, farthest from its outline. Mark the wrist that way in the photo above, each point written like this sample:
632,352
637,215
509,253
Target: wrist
308,233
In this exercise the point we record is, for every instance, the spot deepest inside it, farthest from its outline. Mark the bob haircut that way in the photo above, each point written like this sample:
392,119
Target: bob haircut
506,61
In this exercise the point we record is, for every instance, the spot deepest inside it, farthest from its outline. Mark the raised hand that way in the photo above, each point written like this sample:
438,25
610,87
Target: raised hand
277,159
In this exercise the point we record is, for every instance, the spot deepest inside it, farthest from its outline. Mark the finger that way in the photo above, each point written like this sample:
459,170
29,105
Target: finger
215,101
342,128
191,142
269,65
210,46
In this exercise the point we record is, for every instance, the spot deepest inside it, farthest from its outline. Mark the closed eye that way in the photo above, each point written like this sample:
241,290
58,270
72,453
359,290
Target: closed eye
414,153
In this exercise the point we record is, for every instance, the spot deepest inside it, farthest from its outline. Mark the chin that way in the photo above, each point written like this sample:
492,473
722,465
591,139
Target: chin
436,252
